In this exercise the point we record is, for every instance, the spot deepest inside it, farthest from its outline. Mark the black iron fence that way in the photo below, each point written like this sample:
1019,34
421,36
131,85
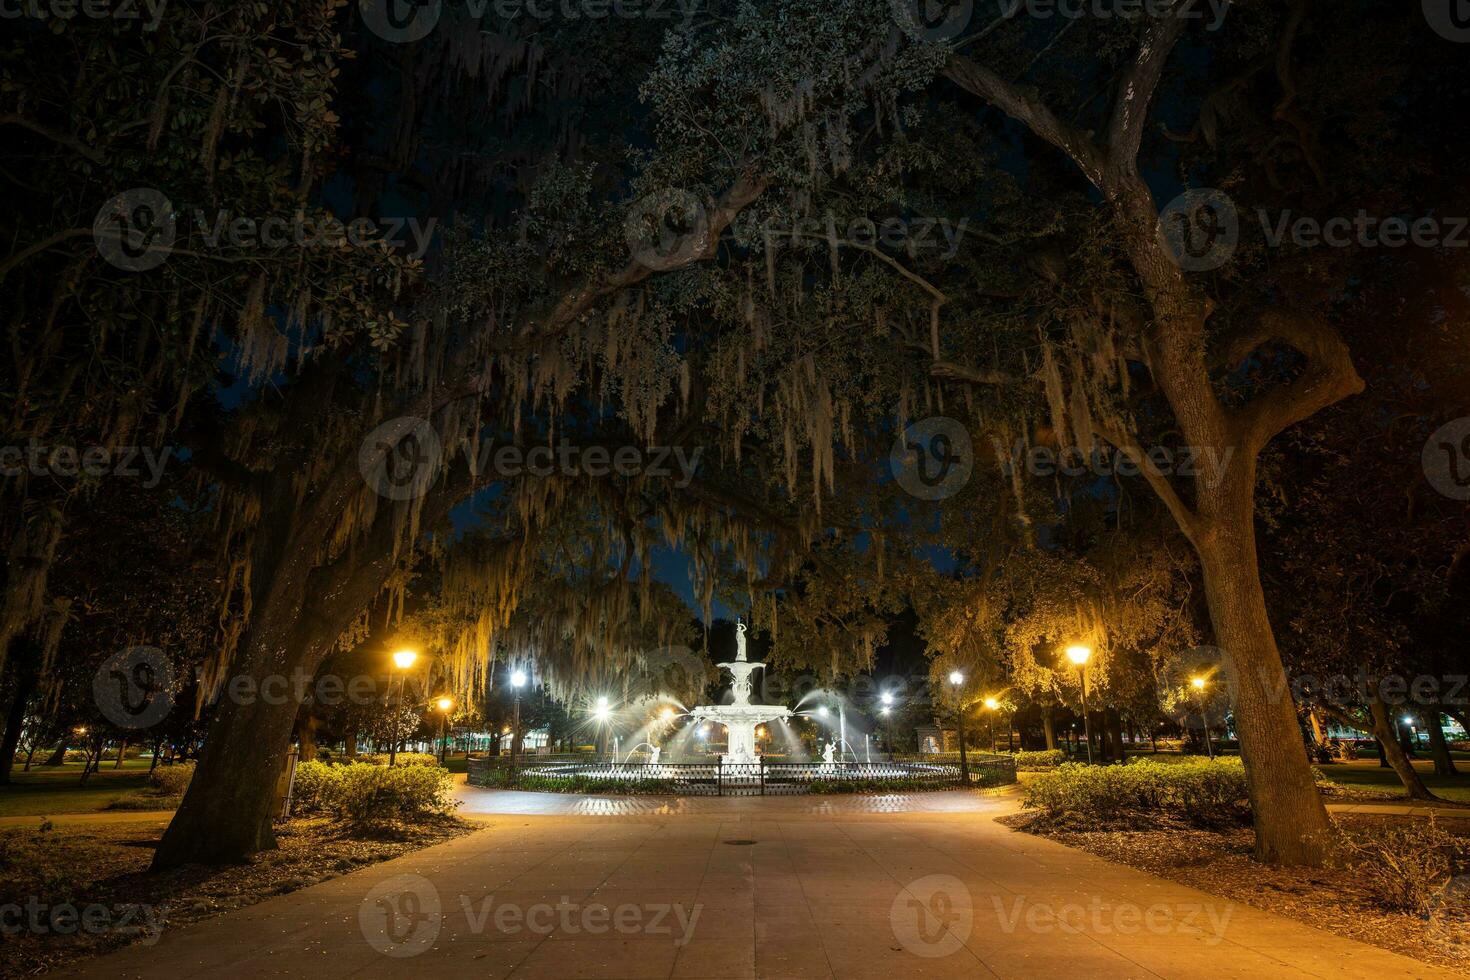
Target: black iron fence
716,778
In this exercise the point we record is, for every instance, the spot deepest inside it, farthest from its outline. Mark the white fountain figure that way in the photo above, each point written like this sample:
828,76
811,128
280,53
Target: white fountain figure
653,756
828,759
740,718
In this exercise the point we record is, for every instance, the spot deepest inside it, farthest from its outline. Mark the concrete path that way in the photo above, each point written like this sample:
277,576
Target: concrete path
767,888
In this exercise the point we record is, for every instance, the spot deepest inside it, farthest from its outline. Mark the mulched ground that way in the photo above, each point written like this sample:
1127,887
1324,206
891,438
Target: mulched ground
1333,900
105,867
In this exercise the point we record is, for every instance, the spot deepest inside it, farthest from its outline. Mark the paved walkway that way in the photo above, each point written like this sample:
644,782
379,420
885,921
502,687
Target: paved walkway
766,888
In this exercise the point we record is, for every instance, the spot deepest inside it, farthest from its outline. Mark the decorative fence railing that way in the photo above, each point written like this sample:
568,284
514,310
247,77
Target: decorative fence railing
738,779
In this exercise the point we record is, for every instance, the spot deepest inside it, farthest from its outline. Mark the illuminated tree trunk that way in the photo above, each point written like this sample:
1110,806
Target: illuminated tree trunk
1444,763
1383,730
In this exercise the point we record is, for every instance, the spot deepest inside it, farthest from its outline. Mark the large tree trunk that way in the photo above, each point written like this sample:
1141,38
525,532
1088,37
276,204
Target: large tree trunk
306,724
1444,764
1050,728
1292,826
1383,728
25,684
57,756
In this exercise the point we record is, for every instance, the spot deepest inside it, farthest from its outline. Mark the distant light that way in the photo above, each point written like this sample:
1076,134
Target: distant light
887,697
1198,682
404,659
602,701
956,678
883,710
445,704
703,731
667,714
991,703
517,678
1079,654
821,711
1408,720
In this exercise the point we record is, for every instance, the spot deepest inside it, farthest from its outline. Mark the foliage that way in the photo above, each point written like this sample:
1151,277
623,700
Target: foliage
1406,867
1201,792
362,793
1038,761
401,759
170,780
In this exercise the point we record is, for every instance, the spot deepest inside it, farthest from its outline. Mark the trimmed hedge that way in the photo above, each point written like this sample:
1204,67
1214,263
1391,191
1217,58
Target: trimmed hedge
1038,761
403,759
360,793
1202,792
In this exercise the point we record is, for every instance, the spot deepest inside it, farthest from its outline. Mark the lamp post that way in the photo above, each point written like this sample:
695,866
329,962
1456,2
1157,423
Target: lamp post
1079,655
445,704
885,711
601,714
1198,683
517,680
402,659
990,705
956,679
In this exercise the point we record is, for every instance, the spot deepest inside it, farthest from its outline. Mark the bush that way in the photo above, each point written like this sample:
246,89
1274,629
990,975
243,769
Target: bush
1038,761
404,759
362,793
170,780
1406,868
1200,792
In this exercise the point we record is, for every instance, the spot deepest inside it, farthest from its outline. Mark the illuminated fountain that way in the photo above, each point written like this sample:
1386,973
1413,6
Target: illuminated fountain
740,718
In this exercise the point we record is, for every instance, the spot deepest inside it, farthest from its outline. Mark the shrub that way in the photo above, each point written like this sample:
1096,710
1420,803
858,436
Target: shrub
403,759
1201,792
1406,868
1037,761
170,780
361,793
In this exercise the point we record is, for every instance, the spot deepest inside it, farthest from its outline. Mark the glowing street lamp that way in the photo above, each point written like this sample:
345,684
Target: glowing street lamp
445,704
666,715
990,705
1079,654
517,681
821,711
402,660
1198,683
956,680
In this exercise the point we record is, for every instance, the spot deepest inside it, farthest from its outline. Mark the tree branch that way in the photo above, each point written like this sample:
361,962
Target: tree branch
1183,514
1025,105
1139,82
1328,378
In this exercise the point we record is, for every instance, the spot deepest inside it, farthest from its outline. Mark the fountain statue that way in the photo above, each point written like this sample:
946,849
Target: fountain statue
740,717
653,756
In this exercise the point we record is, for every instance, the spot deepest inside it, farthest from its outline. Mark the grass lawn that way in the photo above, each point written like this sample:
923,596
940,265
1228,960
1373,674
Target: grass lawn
1369,775
46,791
